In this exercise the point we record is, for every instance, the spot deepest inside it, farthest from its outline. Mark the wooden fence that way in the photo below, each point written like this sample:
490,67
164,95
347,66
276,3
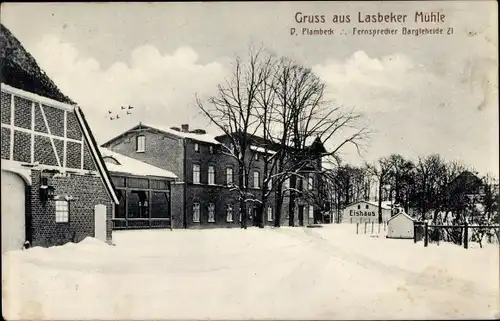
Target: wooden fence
458,234
370,227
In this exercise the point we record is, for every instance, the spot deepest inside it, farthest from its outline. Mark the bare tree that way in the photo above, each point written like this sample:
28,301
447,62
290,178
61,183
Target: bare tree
280,107
307,122
381,170
232,110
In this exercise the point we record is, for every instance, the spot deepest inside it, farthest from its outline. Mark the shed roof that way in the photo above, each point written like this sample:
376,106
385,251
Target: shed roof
402,213
129,165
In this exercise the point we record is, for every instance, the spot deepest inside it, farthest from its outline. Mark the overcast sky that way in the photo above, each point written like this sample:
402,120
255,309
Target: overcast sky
419,95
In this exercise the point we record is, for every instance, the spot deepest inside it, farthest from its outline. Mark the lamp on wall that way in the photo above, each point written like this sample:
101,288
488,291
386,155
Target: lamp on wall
46,191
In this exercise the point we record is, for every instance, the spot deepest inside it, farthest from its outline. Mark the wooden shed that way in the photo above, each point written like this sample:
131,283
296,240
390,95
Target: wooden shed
400,226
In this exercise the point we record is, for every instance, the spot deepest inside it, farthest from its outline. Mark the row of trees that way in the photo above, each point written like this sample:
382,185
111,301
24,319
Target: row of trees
430,186
281,106
277,104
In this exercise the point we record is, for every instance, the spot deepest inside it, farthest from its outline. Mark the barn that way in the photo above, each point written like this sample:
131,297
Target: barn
400,226
55,186
365,211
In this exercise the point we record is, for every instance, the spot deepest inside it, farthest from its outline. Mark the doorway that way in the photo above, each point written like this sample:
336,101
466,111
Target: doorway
301,215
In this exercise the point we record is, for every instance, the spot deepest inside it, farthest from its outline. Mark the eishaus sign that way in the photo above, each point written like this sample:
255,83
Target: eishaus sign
361,213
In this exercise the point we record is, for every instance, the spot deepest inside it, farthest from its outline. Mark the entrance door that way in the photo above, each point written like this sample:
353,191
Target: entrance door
100,222
13,212
301,215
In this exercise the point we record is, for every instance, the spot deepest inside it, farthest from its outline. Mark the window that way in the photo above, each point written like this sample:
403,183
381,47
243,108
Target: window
298,183
62,212
229,175
196,212
138,205
196,147
211,213
269,214
160,207
311,211
310,182
229,213
211,149
256,156
287,183
270,183
256,179
196,174
140,144
211,175
120,208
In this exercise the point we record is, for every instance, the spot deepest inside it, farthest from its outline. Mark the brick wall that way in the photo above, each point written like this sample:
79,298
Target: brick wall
88,191
163,151
177,205
220,197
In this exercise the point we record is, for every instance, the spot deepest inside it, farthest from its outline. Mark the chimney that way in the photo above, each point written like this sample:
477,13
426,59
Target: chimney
185,128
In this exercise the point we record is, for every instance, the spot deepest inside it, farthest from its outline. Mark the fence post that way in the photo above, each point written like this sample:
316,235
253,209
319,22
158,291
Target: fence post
426,234
414,232
365,227
384,225
357,228
372,227
466,235
379,228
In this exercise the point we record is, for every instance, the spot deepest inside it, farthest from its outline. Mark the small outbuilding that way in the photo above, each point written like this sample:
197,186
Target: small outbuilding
400,226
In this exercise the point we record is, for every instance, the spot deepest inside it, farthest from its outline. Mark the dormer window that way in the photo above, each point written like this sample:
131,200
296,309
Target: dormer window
196,147
211,149
140,144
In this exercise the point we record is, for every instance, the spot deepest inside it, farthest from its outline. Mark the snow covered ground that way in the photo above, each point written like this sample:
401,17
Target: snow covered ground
285,273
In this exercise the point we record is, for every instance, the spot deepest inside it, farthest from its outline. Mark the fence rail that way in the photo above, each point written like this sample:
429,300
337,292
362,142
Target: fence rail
458,234
370,227
153,223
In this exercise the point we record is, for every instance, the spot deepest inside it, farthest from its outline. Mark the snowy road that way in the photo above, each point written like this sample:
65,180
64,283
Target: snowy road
286,273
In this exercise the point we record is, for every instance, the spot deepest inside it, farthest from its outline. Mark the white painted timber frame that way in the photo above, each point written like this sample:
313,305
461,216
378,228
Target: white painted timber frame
34,98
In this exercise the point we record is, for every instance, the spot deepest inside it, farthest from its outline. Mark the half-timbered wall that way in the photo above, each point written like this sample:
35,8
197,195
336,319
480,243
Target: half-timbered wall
34,132
38,130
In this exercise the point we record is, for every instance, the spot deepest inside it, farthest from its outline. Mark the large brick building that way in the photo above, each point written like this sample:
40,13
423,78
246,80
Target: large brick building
202,195
55,187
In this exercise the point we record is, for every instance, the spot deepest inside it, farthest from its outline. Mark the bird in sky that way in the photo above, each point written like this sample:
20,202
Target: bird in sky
111,118
129,113
130,107
117,116
109,112
123,107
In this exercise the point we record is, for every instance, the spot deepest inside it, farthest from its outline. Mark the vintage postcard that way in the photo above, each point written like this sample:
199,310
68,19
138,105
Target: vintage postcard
250,160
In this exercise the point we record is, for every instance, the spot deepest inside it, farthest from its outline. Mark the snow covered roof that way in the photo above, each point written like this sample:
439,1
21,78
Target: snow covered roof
207,138
402,213
386,205
262,150
20,70
133,166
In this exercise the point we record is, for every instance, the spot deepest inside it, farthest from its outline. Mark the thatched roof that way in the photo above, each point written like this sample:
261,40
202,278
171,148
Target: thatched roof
20,69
